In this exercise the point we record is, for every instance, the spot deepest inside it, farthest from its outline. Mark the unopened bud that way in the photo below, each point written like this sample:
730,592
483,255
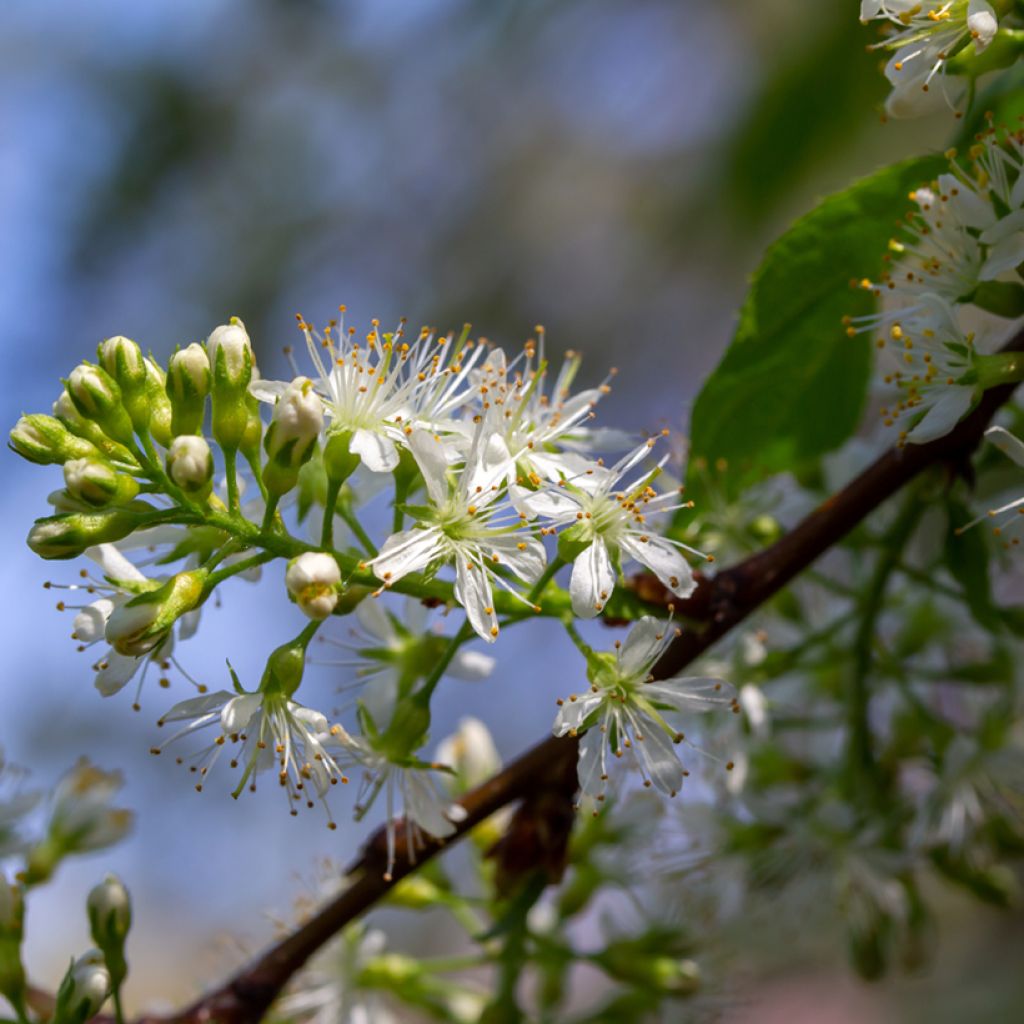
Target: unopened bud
188,384
292,435
45,440
65,411
161,415
123,361
231,365
110,917
142,624
190,464
312,580
339,462
97,397
95,482
68,535
84,990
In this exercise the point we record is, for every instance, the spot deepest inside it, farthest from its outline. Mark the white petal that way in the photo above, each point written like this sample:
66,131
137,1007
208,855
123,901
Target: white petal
238,712
471,666
373,617
643,646
555,505
378,452
268,390
690,694
982,22
970,209
944,415
197,707
1006,443
524,555
432,458
1007,246
591,767
665,560
91,622
407,552
425,806
658,754
473,592
574,712
592,580
114,564
488,463
114,672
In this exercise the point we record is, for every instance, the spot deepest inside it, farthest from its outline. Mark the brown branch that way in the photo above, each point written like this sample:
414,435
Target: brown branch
719,604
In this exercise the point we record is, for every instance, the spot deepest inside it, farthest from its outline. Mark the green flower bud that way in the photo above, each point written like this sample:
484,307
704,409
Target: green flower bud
231,364
12,922
97,397
123,361
339,462
286,665
390,971
663,974
95,482
84,990
313,579
161,415
142,624
190,464
188,384
65,411
45,440
110,917
68,535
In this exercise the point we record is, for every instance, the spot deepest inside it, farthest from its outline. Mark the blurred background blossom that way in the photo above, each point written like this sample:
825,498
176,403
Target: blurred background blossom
610,169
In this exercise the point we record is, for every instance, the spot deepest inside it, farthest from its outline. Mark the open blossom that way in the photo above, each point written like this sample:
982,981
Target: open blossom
624,710
391,653
265,730
928,33
546,432
379,389
469,523
931,356
608,520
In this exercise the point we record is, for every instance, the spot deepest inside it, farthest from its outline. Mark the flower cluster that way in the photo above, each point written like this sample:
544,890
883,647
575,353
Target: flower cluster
498,481
959,247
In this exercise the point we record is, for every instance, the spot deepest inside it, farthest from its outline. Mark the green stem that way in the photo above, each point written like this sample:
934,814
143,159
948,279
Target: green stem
230,469
356,527
584,648
268,515
330,504
216,578
119,1016
546,577
424,693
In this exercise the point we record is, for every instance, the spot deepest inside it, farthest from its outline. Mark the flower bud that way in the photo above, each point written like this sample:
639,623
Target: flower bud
65,411
285,667
97,397
292,435
69,534
339,462
110,917
142,624
190,464
188,384
161,415
45,440
313,580
95,482
84,990
123,361
470,752
231,365
12,921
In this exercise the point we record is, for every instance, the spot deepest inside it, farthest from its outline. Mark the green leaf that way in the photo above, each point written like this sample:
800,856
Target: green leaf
967,558
791,385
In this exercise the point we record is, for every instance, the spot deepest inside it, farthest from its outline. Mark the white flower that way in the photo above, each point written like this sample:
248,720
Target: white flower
932,355
329,991
312,580
625,710
470,752
610,521
545,432
409,787
929,33
468,522
263,730
379,390
81,818
391,653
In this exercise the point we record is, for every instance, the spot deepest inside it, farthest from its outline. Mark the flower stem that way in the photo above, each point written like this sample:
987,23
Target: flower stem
546,577
118,1005
330,506
356,527
226,573
230,469
423,695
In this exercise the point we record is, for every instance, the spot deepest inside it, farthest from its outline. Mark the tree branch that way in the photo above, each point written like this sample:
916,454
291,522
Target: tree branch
718,605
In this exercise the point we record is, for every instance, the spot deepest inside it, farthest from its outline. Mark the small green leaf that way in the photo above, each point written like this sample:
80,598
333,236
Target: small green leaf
791,385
